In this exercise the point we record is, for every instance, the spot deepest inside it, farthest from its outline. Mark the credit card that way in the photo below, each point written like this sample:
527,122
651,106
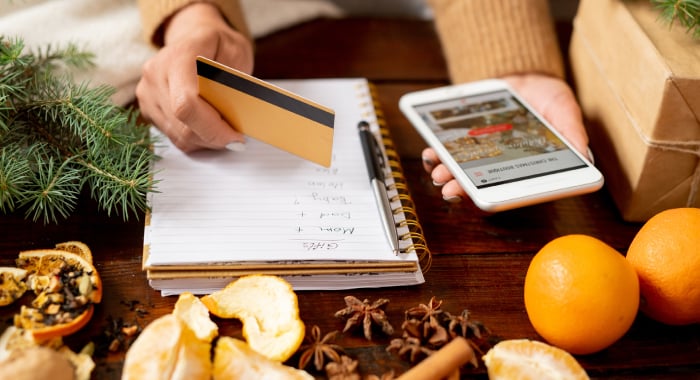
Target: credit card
267,112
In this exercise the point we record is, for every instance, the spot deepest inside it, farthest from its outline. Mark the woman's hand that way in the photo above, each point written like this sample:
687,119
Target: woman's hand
168,91
551,97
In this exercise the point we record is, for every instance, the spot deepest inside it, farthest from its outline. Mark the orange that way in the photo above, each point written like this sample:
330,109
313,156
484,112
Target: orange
51,273
581,294
666,254
531,360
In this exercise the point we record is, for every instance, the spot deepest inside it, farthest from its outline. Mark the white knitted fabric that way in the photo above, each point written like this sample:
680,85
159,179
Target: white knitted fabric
111,29
108,28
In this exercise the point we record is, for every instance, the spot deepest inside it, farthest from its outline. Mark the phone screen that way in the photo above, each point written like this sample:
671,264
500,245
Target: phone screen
495,139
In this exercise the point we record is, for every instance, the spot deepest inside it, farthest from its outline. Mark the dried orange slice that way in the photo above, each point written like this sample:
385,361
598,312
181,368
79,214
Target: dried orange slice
46,262
167,349
531,360
234,359
268,308
12,285
67,287
43,328
78,247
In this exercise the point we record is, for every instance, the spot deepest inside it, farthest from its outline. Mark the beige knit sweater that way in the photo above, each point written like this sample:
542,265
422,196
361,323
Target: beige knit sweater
492,38
480,38
155,14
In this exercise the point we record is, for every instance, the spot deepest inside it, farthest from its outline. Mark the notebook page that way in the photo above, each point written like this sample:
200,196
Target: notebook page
170,287
265,204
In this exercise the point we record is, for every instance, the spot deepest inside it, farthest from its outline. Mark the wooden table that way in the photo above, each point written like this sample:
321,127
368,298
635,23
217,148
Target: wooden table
479,260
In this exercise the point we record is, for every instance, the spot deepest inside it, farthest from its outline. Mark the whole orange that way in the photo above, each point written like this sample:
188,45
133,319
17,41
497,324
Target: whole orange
581,295
666,254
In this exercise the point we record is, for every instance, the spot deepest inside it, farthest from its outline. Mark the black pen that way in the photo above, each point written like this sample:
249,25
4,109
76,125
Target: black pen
374,159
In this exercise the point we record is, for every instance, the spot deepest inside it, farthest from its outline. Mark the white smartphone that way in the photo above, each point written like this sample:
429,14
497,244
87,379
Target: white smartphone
497,147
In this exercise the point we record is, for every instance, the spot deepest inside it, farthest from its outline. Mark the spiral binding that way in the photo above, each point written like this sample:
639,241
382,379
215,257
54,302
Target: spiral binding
403,196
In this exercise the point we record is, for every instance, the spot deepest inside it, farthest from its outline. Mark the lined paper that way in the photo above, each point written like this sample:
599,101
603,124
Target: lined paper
264,204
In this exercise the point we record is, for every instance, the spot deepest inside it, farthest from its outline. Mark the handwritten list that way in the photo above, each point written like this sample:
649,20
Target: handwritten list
267,205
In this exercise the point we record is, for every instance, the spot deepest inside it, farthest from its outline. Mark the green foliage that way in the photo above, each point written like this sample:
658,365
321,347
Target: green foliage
685,12
56,137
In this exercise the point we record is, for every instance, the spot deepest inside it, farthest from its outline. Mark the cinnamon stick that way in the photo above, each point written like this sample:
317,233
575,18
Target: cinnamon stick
443,363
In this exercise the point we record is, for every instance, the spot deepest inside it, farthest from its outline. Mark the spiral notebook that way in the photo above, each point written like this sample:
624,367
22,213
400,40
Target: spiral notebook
219,215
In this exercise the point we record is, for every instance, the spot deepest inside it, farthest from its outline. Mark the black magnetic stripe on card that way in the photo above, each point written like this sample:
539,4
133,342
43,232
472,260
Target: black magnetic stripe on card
266,94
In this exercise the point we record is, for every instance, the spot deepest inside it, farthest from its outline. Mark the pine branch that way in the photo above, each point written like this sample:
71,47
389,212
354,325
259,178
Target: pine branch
685,12
56,137
54,188
14,176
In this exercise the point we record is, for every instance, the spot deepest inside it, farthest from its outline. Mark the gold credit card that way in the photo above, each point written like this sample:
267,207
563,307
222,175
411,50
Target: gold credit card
268,113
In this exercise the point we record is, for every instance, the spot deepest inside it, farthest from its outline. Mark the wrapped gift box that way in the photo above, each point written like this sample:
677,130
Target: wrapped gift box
638,81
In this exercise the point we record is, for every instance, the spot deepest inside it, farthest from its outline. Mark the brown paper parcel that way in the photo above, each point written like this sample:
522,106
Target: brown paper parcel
638,81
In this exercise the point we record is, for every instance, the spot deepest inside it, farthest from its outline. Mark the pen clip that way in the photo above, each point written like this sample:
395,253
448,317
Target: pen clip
380,162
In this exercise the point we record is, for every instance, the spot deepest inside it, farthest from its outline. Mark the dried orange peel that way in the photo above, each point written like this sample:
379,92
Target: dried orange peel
531,360
269,310
192,311
234,359
66,285
167,349
178,346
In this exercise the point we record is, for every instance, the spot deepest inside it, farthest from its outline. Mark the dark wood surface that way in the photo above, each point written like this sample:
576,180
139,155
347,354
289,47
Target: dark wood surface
479,259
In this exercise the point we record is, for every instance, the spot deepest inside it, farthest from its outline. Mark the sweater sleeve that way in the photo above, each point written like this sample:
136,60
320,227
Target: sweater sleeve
492,38
155,14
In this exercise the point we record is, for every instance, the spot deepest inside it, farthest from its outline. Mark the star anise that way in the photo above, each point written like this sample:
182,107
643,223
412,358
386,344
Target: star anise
473,331
319,348
435,334
462,325
425,312
429,333
411,347
367,314
344,369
